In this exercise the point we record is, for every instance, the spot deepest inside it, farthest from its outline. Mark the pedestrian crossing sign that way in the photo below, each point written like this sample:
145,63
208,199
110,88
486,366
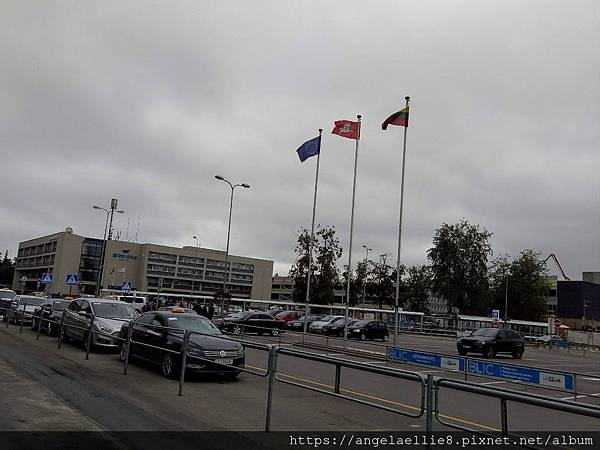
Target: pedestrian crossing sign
126,286
46,278
72,279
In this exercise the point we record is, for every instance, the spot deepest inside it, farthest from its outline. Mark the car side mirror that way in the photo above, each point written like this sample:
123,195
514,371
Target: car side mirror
84,314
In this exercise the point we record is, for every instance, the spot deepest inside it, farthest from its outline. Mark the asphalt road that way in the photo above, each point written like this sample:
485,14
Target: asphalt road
143,400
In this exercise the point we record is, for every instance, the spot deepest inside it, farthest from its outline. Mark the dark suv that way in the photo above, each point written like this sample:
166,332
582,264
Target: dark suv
489,341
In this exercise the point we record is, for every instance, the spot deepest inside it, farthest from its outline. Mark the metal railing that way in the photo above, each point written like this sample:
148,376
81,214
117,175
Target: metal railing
430,386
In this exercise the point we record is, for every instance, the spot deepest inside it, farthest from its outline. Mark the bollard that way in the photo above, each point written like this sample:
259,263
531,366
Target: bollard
338,376
429,416
89,339
62,325
504,417
272,368
7,316
22,318
575,387
37,335
127,343
184,350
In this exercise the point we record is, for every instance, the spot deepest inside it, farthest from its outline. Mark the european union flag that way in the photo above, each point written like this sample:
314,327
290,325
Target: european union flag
309,148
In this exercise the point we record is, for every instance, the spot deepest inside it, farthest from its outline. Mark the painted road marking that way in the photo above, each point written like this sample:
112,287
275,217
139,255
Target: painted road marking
371,397
589,378
581,396
494,382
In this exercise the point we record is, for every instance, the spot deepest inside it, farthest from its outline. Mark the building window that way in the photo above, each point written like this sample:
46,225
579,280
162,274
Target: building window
162,257
190,261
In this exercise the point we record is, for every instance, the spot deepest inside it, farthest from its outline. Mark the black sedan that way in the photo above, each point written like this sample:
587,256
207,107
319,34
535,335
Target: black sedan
252,322
490,341
298,325
51,312
337,328
163,332
368,329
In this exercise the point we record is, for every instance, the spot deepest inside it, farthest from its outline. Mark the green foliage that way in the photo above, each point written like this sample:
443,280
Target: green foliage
459,258
382,281
7,270
326,252
528,285
419,281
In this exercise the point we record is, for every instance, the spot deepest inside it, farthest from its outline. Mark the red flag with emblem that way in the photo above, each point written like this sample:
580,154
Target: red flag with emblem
347,129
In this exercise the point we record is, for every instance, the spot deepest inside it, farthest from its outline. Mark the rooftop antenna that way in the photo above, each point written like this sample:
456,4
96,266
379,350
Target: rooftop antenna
127,230
137,230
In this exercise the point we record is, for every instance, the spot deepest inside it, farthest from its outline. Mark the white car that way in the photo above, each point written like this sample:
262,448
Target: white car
317,327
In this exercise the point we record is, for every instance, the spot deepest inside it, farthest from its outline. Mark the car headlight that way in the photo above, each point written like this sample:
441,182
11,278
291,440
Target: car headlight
356,331
195,352
242,351
104,329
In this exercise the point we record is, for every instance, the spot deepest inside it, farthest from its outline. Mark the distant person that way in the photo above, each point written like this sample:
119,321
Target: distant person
146,308
210,312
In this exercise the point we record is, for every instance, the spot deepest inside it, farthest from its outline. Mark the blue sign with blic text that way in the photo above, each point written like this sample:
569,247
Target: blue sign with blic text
557,380
426,359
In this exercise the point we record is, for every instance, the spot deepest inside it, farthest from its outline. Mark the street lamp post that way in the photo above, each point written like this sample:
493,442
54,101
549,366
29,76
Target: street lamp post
227,273
109,217
365,280
195,263
506,300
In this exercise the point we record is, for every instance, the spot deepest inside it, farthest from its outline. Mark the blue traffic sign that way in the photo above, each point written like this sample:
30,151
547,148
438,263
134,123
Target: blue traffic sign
496,314
126,286
72,279
46,278
564,381
426,359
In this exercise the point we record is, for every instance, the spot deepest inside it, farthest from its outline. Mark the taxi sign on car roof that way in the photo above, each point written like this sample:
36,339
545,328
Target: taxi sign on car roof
177,309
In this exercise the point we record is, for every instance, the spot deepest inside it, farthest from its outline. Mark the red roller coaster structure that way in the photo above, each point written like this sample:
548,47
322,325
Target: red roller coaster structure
555,259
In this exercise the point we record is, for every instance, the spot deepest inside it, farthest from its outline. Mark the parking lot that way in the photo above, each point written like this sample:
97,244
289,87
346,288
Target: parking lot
98,391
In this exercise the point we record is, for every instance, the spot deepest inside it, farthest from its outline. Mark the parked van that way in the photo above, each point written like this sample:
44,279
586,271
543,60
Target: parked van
135,301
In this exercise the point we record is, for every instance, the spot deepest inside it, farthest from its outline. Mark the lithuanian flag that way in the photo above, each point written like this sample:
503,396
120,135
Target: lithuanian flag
400,118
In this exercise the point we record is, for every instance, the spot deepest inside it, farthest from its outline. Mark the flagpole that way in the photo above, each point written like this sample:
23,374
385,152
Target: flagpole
312,233
350,244
397,297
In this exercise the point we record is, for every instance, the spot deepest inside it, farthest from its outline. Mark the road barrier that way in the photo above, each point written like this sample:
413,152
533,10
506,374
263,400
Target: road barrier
430,386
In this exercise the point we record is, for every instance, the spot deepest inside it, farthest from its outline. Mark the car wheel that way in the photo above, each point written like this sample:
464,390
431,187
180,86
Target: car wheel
237,330
518,353
462,353
274,332
363,337
168,365
386,337
489,352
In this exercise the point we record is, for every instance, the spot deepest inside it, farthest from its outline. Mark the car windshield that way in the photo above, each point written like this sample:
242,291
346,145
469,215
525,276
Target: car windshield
192,323
60,305
327,318
114,311
240,315
486,332
361,323
7,294
36,301
339,320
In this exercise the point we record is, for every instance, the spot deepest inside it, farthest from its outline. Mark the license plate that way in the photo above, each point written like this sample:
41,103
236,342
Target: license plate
466,346
227,361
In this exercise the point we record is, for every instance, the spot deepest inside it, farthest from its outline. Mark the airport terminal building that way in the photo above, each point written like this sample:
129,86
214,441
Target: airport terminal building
147,267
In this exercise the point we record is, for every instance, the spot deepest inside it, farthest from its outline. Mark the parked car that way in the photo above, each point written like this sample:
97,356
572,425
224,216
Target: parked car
274,310
23,307
336,328
368,329
51,312
317,325
490,341
252,322
109,316
164,330
178,309
298,325
288,316
6,297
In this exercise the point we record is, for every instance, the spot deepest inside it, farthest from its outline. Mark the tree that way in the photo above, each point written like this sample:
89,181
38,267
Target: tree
7,270
357,282
418,283
382,280
459,258
299,270
326,252
528,285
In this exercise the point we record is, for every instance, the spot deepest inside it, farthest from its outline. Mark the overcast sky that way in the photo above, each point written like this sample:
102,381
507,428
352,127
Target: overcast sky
147,101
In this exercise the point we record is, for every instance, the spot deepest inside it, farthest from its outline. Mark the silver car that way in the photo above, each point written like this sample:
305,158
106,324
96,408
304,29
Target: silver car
317,327
108,318
23,307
